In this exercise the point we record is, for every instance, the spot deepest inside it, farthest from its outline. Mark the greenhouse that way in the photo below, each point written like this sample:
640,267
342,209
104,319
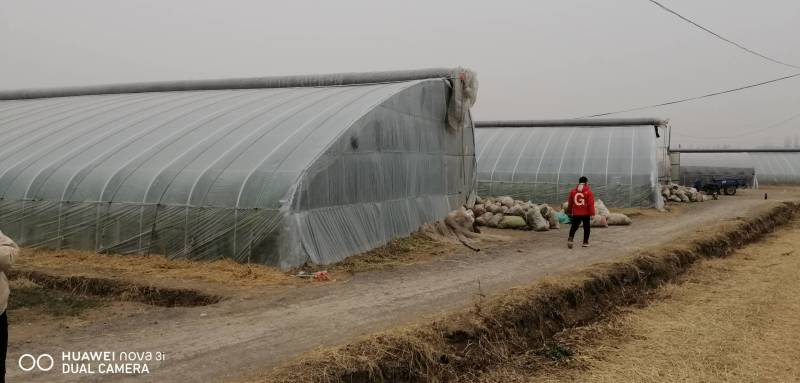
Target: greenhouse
705,166
770,168
542,160
276,170
777,168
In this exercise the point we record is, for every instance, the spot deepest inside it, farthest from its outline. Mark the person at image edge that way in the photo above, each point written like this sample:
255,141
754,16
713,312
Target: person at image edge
8,251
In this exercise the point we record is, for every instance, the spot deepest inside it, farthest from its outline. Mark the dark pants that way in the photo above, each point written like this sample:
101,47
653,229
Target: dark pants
3,344
576,221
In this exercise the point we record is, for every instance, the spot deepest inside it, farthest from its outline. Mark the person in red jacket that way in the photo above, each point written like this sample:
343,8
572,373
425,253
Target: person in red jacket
580,208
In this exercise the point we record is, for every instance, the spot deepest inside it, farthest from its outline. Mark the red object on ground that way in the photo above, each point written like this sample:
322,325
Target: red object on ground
322,276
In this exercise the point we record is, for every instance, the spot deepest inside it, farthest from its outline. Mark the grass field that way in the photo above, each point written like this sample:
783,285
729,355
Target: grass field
734,319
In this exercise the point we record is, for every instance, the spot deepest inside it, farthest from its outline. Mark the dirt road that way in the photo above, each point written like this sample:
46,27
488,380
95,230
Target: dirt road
242,336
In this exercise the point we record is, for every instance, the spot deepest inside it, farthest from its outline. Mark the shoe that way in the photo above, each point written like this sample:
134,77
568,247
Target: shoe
585,245
569,244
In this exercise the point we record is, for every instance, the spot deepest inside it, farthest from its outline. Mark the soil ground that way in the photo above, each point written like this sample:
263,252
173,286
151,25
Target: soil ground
38,312
270,318
732,319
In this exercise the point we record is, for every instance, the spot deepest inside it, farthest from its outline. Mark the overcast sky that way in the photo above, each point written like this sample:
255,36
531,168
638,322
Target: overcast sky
534,59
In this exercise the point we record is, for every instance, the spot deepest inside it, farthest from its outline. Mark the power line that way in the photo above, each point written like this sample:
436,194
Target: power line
740,46
775,125
694,98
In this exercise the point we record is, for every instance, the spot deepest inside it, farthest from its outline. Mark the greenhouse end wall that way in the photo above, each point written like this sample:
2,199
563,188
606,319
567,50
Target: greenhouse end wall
394,170
770,168
777,168
690,174
542,164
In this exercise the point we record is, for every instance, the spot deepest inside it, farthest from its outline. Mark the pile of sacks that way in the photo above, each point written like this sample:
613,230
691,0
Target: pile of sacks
604,217
678,193
508,213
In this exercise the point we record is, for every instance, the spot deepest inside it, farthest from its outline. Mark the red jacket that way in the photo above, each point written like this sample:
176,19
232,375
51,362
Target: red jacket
581,201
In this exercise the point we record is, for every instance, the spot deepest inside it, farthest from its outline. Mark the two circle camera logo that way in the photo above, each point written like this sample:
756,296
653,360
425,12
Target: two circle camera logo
28,362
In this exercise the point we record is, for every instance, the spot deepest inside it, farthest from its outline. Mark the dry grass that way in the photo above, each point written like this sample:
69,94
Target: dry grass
461,346
155,279
125,290
38,312
416,248
731,320
30,296
152,267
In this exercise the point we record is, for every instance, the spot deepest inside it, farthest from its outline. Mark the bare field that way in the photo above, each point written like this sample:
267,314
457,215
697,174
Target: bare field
732,319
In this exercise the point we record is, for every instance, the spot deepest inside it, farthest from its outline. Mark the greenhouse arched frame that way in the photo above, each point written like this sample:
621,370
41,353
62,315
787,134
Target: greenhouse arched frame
771,166
541,160
272,170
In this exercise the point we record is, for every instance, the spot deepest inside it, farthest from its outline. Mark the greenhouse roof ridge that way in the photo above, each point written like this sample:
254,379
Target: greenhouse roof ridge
584,122
298,81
